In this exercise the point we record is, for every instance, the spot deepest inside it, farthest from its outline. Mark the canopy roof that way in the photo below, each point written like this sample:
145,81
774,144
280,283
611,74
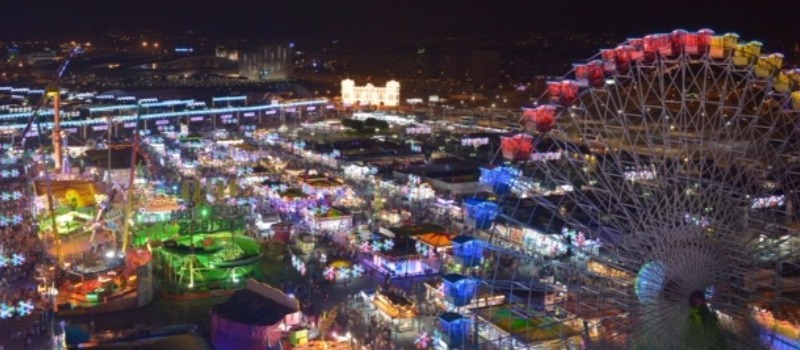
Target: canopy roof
436,239
258,304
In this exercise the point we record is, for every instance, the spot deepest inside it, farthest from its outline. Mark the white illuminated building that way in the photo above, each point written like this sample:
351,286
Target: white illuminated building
369,94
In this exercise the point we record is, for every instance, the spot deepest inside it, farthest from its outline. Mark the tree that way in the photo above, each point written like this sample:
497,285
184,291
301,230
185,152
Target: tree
382,124
371,122
357,125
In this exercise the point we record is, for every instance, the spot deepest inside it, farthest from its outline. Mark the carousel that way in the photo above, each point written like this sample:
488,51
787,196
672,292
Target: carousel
395,257
106,284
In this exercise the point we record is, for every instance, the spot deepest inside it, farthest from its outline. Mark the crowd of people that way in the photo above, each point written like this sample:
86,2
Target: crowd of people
20,282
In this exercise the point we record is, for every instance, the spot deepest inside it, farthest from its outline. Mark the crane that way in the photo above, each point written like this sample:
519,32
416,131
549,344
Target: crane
126,224
51,92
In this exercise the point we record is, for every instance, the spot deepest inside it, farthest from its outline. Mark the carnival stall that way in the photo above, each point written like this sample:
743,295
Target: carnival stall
417,191
435,291
447,208
394,216
158,209
395,257
397,307
354,172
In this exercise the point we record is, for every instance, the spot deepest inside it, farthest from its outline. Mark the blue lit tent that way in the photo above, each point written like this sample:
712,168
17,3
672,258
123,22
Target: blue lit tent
454,329
499,178
467,251
459,289
484,212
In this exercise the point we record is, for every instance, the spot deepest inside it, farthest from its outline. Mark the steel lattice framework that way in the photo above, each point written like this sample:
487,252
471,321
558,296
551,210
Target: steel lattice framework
684,163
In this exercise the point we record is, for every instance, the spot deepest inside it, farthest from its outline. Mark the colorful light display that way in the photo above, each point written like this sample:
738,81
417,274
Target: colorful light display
423,249
650,281
382,245
24,307
542,118
499,178
6,311
467,251
458,289
454,329
563,92
10,196
17,259
423,340
517,147
482,211
299,265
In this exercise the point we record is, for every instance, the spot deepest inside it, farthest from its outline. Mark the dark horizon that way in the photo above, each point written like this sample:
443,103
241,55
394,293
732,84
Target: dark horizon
367,21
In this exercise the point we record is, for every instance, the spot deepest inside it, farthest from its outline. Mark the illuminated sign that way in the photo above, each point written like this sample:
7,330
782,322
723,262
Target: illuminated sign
249,114
418,130
640,174
162,122
545,156
272,112
100,127
130,125
475,141
311,108
769,202
229,98
197,119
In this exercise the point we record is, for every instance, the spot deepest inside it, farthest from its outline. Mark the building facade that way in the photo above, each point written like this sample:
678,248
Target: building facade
387,96
270,62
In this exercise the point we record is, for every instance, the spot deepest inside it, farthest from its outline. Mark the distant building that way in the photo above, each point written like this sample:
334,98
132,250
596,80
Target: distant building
40,57
230,54
369,94
271,62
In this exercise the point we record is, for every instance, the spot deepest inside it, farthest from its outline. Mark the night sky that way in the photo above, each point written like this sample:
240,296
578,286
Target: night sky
371,20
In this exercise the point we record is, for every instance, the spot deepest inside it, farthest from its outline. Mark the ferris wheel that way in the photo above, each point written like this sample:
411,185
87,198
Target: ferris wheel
658,189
